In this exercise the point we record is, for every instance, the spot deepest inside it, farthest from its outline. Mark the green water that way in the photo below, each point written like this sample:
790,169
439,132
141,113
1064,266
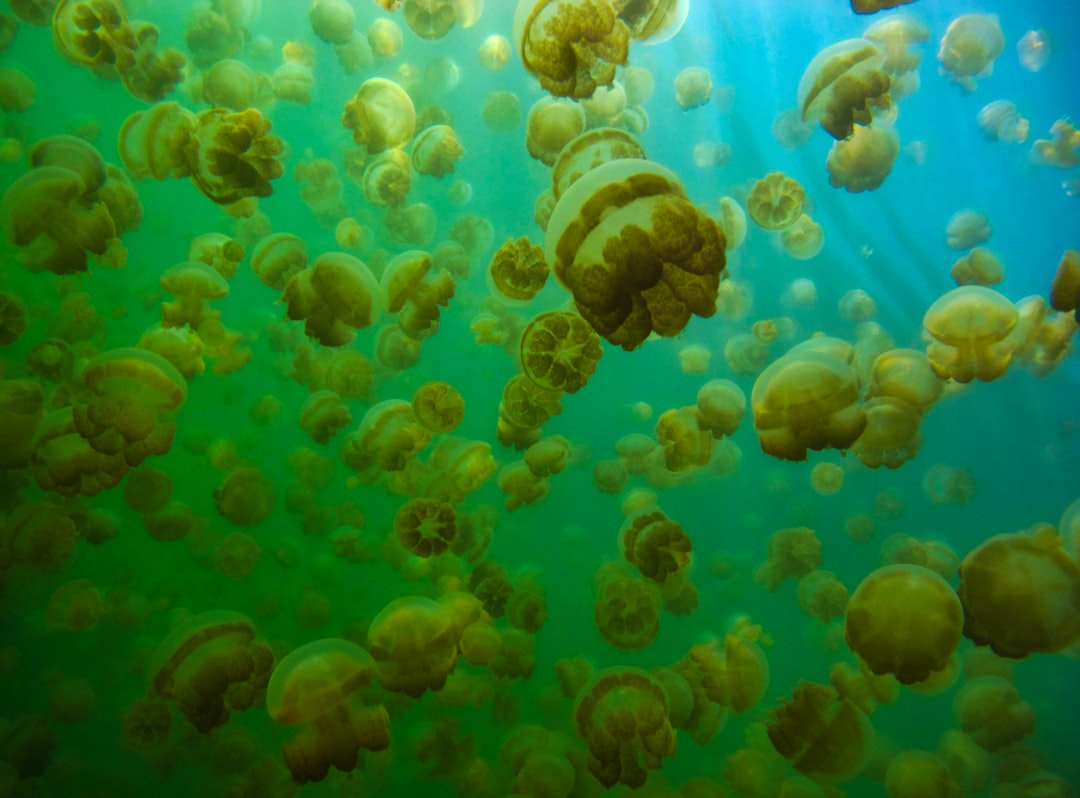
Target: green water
66,692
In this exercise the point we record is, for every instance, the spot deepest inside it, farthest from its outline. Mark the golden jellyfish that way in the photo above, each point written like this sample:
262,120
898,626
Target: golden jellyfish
389,436
655,544
1065,287
236,155
560,351
38,535
635,254
919,774
721,405
1000,121
324,415
806,400
824,736
22,407
967,228
415,290
621,714
501,111
693,87
732,221
968,332
548,456
803,239
520,485
905,374
892,435
245,496
293,82
430,19
969,47
385,37
413,224
193,284
219,251
317,686
550,125
148,489
494,52
873,6
1062,151
843,85
435,151
75,606
1034,50
793,553
904,620
64,462
439,406
414,642
333,21
822,595
474,233
462,466
230,84
654,21
277,258
1021,594
570,46
13,318
991,711
895,34
775,201
694,359
17,90
209,665
425,527
335,297
518,270
863,161
979,267
237,555
589,150
827,479
683,442
387,178
381,116
606,106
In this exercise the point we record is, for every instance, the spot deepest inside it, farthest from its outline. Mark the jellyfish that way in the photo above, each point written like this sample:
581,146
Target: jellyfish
1021,594
793,553
550,125
621,715
684,443
1065,287
148,489
721,405
438,406
863,161
494,52
822,595
381,115
904,620
892,435
333,21
635,260
435,150
236,155
335,297
873,6
693,87
210,665
1062,151
415,290
293,82
775,201
919,773
245,496
518,270
22,407
656,545
824,736
389,436
968,332
414,643
1000,121
969,47
324,415
895,35
803,239
991,711
843,85
560,351
317,686
425,527
193,284
501,111
278,258
570,46
589,150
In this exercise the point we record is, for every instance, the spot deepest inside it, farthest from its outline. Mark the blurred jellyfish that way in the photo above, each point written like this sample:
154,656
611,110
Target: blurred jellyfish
967,228
971,44
693,87
1034,50
1000,121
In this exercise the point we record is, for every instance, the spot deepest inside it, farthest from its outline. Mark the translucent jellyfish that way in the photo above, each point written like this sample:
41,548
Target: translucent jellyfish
17,90
991,711
694,359
210,665
1034,50
732,221
968,333
518,270
147,489
654,21
824,736
494,52
335,297
589,150
789,129
1065,287
435,151
521,486
803,239
438,405
969,47
414,642
570,46
655,544
416,291
775,201
22,407
430,19
721,405
385,37
683,442
389,437
1000,121
333,21
843,85
413,225
822,595
324,415
560,351
793,553
549,455
293,82
230,84
550,125
425,527
317,686
501,111
246,496
381,116
979,267
693,87
806,400
1021,594
626,609
277,258
863,161
636,260
896,34
193,284
905,374
919,774
904,620
236,155
606,106
1062,151
621,714
892,435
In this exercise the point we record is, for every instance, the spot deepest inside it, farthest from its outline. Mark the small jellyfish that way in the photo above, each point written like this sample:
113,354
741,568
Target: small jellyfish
979,267
693,87
494,52
1034,50
863,161
560,351
775,201
843,85
1000,121
969,47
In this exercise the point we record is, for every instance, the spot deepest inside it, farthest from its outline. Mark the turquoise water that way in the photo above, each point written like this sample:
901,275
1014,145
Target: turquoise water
1016,437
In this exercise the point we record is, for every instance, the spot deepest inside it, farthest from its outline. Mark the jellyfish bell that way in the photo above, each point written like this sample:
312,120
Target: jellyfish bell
842,85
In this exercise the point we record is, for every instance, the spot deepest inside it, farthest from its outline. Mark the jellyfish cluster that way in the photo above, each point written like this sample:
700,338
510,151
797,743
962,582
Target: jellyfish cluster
440,397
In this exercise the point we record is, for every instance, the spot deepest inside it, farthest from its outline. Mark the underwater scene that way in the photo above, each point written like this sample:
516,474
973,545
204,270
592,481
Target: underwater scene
539,398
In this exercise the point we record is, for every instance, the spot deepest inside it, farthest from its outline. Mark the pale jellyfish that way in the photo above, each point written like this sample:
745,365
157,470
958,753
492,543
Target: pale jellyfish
967,228
1000,121
1034,50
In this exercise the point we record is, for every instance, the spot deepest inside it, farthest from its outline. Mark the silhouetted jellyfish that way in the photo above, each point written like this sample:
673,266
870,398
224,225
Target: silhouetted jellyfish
1021,593
414,642
904,620
825,737
991,711
317,687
